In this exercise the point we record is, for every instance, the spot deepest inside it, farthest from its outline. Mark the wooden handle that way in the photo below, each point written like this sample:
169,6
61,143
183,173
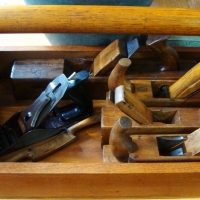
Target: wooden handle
170,58
187,84
23,155
99,19
93,119
116,77
64,139
120,143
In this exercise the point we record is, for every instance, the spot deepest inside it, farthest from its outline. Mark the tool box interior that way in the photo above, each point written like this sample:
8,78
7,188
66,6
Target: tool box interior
79,170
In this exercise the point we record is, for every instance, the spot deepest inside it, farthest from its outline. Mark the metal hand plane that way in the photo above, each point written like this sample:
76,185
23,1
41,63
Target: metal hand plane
81,108
21,129
26,126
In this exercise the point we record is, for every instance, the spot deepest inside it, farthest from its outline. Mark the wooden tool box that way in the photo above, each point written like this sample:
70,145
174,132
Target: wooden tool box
78,171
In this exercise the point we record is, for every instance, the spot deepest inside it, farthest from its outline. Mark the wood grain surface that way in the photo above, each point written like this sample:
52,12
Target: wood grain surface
99,180
8,54
186,120
176,3
91,19
77,171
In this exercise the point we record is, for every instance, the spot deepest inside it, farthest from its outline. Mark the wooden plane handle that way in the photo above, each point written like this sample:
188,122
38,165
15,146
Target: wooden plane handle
116,77
121,144
158,43
170,58
23,155
39,151
93,119
187,84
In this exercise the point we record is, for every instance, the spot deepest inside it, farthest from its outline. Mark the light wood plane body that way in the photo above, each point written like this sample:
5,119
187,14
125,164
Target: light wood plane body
158,148
147,150
149,92
174,120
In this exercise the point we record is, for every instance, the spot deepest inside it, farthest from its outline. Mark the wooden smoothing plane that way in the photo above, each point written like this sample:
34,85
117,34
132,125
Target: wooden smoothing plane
183,92
121,90
150,148
155,119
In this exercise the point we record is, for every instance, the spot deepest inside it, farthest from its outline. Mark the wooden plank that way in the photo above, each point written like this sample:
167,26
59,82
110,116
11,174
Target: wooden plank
90,19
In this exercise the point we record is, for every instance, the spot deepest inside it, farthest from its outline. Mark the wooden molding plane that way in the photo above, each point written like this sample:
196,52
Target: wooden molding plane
187,85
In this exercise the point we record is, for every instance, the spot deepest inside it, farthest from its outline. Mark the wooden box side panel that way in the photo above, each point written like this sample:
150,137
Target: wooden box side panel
189,57
99,180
